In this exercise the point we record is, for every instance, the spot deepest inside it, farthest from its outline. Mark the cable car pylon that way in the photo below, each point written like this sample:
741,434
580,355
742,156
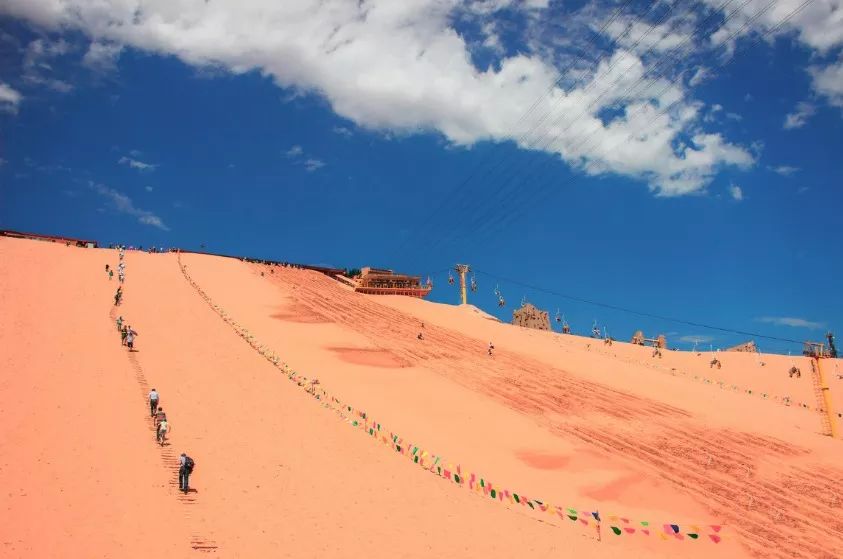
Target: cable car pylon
462,270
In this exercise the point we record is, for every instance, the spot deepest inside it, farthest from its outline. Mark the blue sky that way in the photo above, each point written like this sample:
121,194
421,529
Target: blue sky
689,169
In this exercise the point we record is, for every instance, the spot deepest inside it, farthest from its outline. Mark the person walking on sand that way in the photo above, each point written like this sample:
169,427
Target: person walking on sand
123,333
153,402
491,347
161,432
186,465
119,323
110,274
118,296
106,268
159,417
130,338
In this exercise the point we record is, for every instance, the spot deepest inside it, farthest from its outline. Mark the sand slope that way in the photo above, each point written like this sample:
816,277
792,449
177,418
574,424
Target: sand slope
279,475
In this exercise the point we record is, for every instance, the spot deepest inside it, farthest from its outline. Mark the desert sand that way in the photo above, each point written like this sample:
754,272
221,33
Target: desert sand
562,419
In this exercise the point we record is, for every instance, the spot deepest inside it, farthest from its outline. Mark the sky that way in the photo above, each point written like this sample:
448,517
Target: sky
680,159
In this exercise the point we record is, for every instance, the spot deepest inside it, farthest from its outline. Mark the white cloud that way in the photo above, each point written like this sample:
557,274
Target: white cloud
60,86
40,51
642,36
736,192
124,204
792,322
802,190
136,164
799,117
828,81
148,188
2,161
310,163
701,75
695,339
313,164
9,98
492,40
294,151
37,59
402,67
102,57
785,170
343,131
817,24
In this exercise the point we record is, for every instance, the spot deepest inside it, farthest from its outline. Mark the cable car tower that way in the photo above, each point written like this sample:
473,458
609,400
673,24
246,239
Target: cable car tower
462,270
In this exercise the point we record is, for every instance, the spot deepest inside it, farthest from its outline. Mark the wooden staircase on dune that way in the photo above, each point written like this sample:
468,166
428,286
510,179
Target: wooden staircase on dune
823,399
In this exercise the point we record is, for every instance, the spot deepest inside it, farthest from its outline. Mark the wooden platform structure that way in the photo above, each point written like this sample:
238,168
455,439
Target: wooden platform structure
376,281
639,339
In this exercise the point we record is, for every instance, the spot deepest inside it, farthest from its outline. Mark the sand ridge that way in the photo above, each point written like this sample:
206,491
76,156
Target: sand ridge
552,417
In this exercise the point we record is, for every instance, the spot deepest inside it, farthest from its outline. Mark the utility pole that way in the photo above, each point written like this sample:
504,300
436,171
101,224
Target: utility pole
462,270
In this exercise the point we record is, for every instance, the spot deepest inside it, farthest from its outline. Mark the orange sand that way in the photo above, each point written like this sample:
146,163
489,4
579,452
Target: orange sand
559,418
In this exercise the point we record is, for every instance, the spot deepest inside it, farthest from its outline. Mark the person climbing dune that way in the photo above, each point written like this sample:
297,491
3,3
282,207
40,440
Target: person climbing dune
154,398
130,338
161,432
186,465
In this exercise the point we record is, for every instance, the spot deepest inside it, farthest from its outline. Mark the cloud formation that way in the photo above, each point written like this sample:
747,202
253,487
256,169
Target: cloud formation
102,57
10,98
696,339
828,81
343,131
792,322
312,164
799,117
136,164
294,151
403,67
736,192
123,204
785,170
297,154
37,63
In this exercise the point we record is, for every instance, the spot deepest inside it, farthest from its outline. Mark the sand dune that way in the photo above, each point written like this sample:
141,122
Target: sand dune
560,418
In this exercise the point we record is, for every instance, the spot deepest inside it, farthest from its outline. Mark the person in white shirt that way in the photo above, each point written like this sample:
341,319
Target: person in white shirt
130,338
153,402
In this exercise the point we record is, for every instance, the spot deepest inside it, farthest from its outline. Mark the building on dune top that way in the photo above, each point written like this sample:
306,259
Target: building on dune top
528,316
376,281
747,347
